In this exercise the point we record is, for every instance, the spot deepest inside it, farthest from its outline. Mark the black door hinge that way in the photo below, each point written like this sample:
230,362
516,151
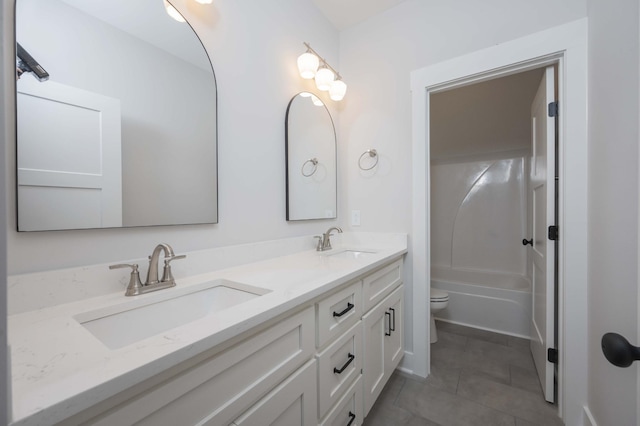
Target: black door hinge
553,233
553,109
552,355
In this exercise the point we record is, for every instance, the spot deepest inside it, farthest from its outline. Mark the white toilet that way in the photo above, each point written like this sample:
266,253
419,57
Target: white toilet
439,301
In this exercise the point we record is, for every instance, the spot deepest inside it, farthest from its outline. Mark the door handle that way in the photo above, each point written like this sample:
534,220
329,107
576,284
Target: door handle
525,242
618,350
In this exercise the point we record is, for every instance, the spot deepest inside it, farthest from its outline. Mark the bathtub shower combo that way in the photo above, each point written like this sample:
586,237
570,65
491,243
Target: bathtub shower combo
478,218
487,300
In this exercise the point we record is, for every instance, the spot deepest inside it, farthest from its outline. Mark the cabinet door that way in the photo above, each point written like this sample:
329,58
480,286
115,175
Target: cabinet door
394,344
293,402
382,345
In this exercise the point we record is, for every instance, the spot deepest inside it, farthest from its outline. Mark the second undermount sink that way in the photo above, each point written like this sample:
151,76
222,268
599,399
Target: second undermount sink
351,254
129,322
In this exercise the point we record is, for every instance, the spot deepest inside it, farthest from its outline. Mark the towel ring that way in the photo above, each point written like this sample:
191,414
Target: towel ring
313,161
372,153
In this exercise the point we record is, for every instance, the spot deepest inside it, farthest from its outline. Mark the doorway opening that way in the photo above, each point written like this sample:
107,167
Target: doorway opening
493,198
566,47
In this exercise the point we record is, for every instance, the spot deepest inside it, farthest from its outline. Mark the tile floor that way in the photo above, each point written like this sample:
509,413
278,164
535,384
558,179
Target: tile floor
477,378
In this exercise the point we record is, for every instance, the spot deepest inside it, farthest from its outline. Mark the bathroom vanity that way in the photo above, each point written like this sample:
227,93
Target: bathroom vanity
306,338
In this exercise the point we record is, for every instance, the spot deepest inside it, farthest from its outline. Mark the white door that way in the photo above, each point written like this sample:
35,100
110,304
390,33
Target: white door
69,158
542,186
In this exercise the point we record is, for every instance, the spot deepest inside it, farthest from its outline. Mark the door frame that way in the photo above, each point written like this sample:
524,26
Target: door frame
566,46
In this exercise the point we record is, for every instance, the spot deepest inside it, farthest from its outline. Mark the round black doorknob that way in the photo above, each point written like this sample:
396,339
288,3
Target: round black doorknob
618,350
525,242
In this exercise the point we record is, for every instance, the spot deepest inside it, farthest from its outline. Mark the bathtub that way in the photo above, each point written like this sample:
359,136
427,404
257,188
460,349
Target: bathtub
491,301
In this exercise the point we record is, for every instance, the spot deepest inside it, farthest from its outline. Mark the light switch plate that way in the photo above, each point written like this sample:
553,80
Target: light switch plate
355,217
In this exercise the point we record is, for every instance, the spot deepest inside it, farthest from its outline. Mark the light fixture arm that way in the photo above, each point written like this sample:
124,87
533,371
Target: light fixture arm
322,60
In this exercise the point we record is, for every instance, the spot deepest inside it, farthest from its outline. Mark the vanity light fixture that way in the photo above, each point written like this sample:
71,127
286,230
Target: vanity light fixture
312,65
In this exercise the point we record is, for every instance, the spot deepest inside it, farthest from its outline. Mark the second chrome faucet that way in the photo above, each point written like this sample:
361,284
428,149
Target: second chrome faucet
324,241
152,283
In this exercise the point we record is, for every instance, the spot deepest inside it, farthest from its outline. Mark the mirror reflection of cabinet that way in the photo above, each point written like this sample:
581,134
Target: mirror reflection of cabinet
158,71
311,159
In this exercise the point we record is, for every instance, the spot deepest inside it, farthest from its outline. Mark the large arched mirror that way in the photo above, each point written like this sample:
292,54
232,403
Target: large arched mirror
123,133
311,159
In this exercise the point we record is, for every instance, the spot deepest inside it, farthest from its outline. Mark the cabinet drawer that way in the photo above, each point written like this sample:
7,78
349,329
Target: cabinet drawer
378,285
293,402
338,366
349,410
217,390
338,312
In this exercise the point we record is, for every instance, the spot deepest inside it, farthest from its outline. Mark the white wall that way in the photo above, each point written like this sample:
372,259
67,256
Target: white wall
253,47
376,58
613,203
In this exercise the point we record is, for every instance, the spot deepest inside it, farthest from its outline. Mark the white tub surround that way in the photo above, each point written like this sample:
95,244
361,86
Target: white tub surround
478,215
60,369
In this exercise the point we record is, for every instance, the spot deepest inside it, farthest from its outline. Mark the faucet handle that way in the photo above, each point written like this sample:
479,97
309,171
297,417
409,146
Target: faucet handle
320,239
169,259
134,280
167,275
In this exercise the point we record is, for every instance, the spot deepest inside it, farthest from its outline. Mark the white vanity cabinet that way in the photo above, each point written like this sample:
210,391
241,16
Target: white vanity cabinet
382,344
322,363
214,390
292,402
373,346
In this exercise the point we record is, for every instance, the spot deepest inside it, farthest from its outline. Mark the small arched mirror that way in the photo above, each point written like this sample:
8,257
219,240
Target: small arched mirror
123,132
310,139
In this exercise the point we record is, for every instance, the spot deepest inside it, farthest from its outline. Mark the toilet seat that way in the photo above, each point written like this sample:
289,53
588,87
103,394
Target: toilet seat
438,295
439,301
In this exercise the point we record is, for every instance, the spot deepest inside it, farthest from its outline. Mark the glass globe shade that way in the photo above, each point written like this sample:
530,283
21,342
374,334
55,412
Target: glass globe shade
307,65
324,77
173,12
337,90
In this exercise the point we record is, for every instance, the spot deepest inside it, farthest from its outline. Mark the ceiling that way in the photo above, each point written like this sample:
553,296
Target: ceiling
344,14
483,119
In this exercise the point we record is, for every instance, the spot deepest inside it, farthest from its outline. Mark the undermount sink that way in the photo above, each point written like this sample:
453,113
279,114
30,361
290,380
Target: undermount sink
351,254
129,322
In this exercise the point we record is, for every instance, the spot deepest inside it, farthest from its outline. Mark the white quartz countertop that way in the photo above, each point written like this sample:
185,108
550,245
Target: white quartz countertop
59,368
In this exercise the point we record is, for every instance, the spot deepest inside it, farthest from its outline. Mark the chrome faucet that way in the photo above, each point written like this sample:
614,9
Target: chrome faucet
152,283
324,241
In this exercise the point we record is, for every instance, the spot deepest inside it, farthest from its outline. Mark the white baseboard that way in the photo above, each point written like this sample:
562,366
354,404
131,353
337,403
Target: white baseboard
588,418
406,364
